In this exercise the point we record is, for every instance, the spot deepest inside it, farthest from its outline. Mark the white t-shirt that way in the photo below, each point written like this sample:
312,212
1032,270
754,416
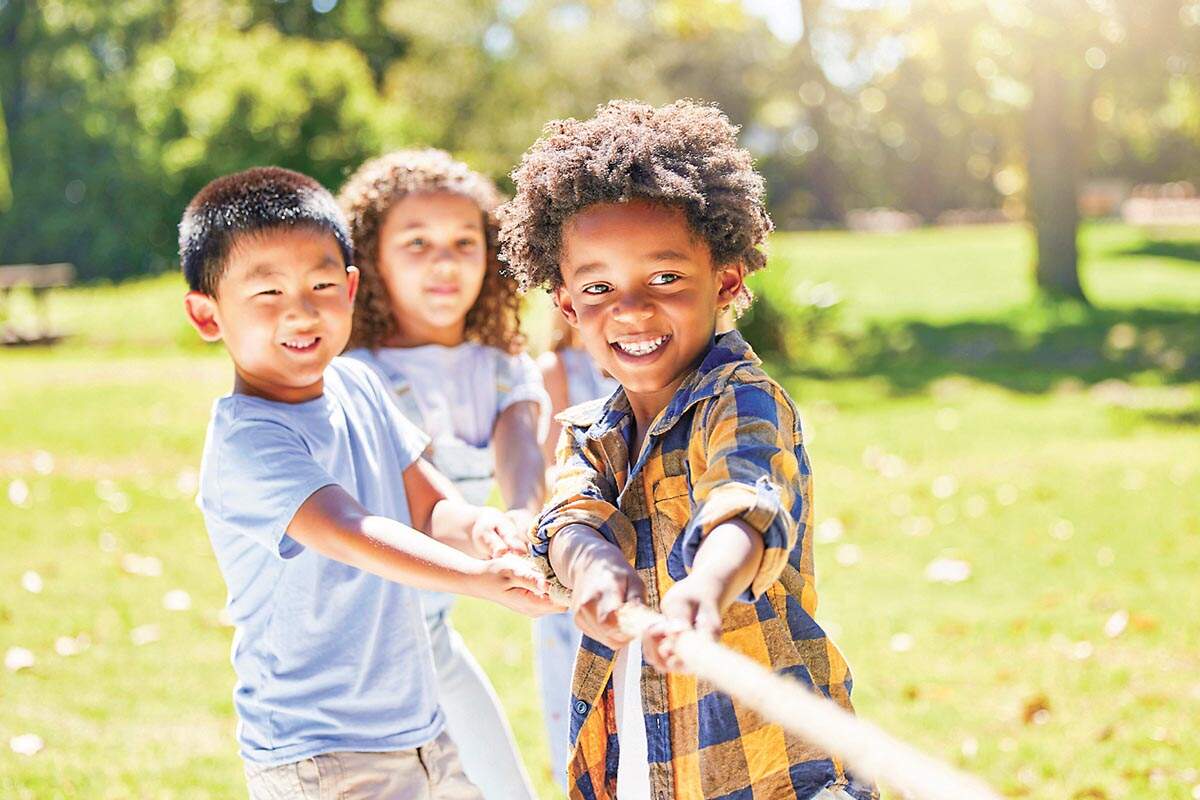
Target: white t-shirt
455,395
633,770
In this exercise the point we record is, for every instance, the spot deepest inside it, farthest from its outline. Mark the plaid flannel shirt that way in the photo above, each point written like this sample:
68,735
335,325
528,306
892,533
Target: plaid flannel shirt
727,446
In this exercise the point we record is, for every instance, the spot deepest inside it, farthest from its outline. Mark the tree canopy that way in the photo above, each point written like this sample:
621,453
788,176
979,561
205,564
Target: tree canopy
116,112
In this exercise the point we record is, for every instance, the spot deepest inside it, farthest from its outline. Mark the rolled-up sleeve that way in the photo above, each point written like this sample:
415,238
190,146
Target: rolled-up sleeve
754,470
582,495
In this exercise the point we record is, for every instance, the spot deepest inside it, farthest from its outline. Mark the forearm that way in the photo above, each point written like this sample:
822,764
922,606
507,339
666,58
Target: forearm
450,523
520,466
337,527
729,557
576,549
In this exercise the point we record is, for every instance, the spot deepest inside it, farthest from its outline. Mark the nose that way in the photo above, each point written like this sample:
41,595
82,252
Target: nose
304,310
445,261
632,307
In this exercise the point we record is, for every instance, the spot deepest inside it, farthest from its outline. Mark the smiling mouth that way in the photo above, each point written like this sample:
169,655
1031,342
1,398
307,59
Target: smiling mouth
302,345
639,348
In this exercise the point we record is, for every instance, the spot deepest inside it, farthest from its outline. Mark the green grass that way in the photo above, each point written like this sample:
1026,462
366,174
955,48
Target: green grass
949,415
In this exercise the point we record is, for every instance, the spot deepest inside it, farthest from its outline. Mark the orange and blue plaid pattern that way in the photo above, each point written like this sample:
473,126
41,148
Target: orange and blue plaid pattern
727,446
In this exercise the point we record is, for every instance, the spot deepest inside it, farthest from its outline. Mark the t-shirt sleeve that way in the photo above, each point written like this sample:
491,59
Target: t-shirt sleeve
264,473
519,380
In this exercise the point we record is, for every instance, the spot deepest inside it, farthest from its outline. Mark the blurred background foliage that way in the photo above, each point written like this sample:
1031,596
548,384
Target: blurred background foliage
114,114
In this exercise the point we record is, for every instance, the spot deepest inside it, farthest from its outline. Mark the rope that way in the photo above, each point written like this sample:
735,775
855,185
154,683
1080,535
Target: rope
866,749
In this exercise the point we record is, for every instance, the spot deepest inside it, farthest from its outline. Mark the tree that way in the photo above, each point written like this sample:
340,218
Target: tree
1042,64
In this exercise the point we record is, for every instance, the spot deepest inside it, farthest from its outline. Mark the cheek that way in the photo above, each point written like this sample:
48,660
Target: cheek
400,272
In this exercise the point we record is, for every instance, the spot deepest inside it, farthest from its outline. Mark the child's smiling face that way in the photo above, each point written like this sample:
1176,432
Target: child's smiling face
432,258
283,307
642,289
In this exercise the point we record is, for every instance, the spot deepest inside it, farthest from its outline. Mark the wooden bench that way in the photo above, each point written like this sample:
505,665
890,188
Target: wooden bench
38,278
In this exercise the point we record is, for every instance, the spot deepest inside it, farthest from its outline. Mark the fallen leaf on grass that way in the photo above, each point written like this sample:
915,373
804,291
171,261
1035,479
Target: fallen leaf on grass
26,744
947,570
32,582
830,530
144,634
1036,710
1116,624
146,566
67,646
18,658
177,600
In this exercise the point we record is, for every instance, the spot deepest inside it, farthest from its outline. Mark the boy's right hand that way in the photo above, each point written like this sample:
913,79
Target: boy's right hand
608,583
516,584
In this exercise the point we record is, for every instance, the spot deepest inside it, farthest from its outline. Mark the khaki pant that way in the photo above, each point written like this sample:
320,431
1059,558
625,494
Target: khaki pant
431,772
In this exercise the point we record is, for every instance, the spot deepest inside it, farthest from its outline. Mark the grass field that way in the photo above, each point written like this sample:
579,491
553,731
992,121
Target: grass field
1008,523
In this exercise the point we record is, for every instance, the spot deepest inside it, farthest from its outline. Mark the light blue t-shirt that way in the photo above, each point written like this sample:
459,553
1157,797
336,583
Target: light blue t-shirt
328,657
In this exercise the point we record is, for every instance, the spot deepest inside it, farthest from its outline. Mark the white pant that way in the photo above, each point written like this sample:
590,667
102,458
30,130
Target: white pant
474,718
555,643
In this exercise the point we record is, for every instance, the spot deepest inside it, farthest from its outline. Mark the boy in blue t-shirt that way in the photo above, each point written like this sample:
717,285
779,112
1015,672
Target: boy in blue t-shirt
312,484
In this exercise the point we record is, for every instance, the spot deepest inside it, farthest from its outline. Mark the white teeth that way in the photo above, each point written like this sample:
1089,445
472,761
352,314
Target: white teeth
299,344
641,348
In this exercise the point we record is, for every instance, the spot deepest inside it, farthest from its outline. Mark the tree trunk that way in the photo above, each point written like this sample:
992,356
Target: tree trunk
1053,147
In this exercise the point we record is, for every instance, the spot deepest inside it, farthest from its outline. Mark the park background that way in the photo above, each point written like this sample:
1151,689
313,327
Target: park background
984,294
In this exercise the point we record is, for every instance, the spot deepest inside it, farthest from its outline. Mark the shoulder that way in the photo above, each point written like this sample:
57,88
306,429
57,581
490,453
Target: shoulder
353,370
584,415
506,363
363,355
549,362
748,393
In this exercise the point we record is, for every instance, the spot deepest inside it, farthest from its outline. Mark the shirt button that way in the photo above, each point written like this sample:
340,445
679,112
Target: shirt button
581,707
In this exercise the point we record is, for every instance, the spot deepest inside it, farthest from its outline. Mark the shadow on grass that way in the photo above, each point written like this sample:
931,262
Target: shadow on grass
1179,249
1037,349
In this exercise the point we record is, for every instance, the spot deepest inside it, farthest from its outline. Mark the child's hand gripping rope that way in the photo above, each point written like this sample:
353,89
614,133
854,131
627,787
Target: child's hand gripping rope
865,748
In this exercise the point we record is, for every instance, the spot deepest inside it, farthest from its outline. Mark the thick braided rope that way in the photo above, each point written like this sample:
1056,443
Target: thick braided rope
865,748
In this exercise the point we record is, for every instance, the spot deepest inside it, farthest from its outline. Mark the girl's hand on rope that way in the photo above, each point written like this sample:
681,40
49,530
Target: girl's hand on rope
496,534
604,586
692,604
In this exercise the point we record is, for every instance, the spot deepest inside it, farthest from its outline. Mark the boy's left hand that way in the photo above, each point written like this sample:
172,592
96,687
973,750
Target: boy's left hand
691,604
495,534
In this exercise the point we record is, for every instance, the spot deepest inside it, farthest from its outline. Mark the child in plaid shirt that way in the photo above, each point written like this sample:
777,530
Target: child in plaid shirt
689,489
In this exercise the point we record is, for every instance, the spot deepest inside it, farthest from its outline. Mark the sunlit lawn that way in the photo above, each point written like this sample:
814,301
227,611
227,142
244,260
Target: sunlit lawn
1065,664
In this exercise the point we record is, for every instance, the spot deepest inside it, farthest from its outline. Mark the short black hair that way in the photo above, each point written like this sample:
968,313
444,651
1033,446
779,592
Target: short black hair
684,154
250,202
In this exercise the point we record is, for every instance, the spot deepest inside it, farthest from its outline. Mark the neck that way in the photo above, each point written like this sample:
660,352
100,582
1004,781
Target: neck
416,335
646,407
253,387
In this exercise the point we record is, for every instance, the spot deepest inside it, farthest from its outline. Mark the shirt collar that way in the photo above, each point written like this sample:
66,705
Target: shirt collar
727,352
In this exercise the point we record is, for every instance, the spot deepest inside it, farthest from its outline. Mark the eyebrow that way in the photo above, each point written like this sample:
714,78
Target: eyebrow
417,224
668,255
266,269
657,255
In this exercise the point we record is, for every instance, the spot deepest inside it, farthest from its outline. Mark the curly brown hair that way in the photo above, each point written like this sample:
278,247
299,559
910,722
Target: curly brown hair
684,154
367,197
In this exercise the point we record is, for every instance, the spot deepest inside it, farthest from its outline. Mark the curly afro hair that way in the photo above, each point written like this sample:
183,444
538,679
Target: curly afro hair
251,202
684,154
368,196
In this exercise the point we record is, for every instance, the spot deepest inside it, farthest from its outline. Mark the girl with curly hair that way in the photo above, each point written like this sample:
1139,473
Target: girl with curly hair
435,317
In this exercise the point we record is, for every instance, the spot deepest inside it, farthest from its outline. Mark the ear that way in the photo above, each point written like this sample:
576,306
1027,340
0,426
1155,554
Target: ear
566,307
202,313
731,279
353,276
